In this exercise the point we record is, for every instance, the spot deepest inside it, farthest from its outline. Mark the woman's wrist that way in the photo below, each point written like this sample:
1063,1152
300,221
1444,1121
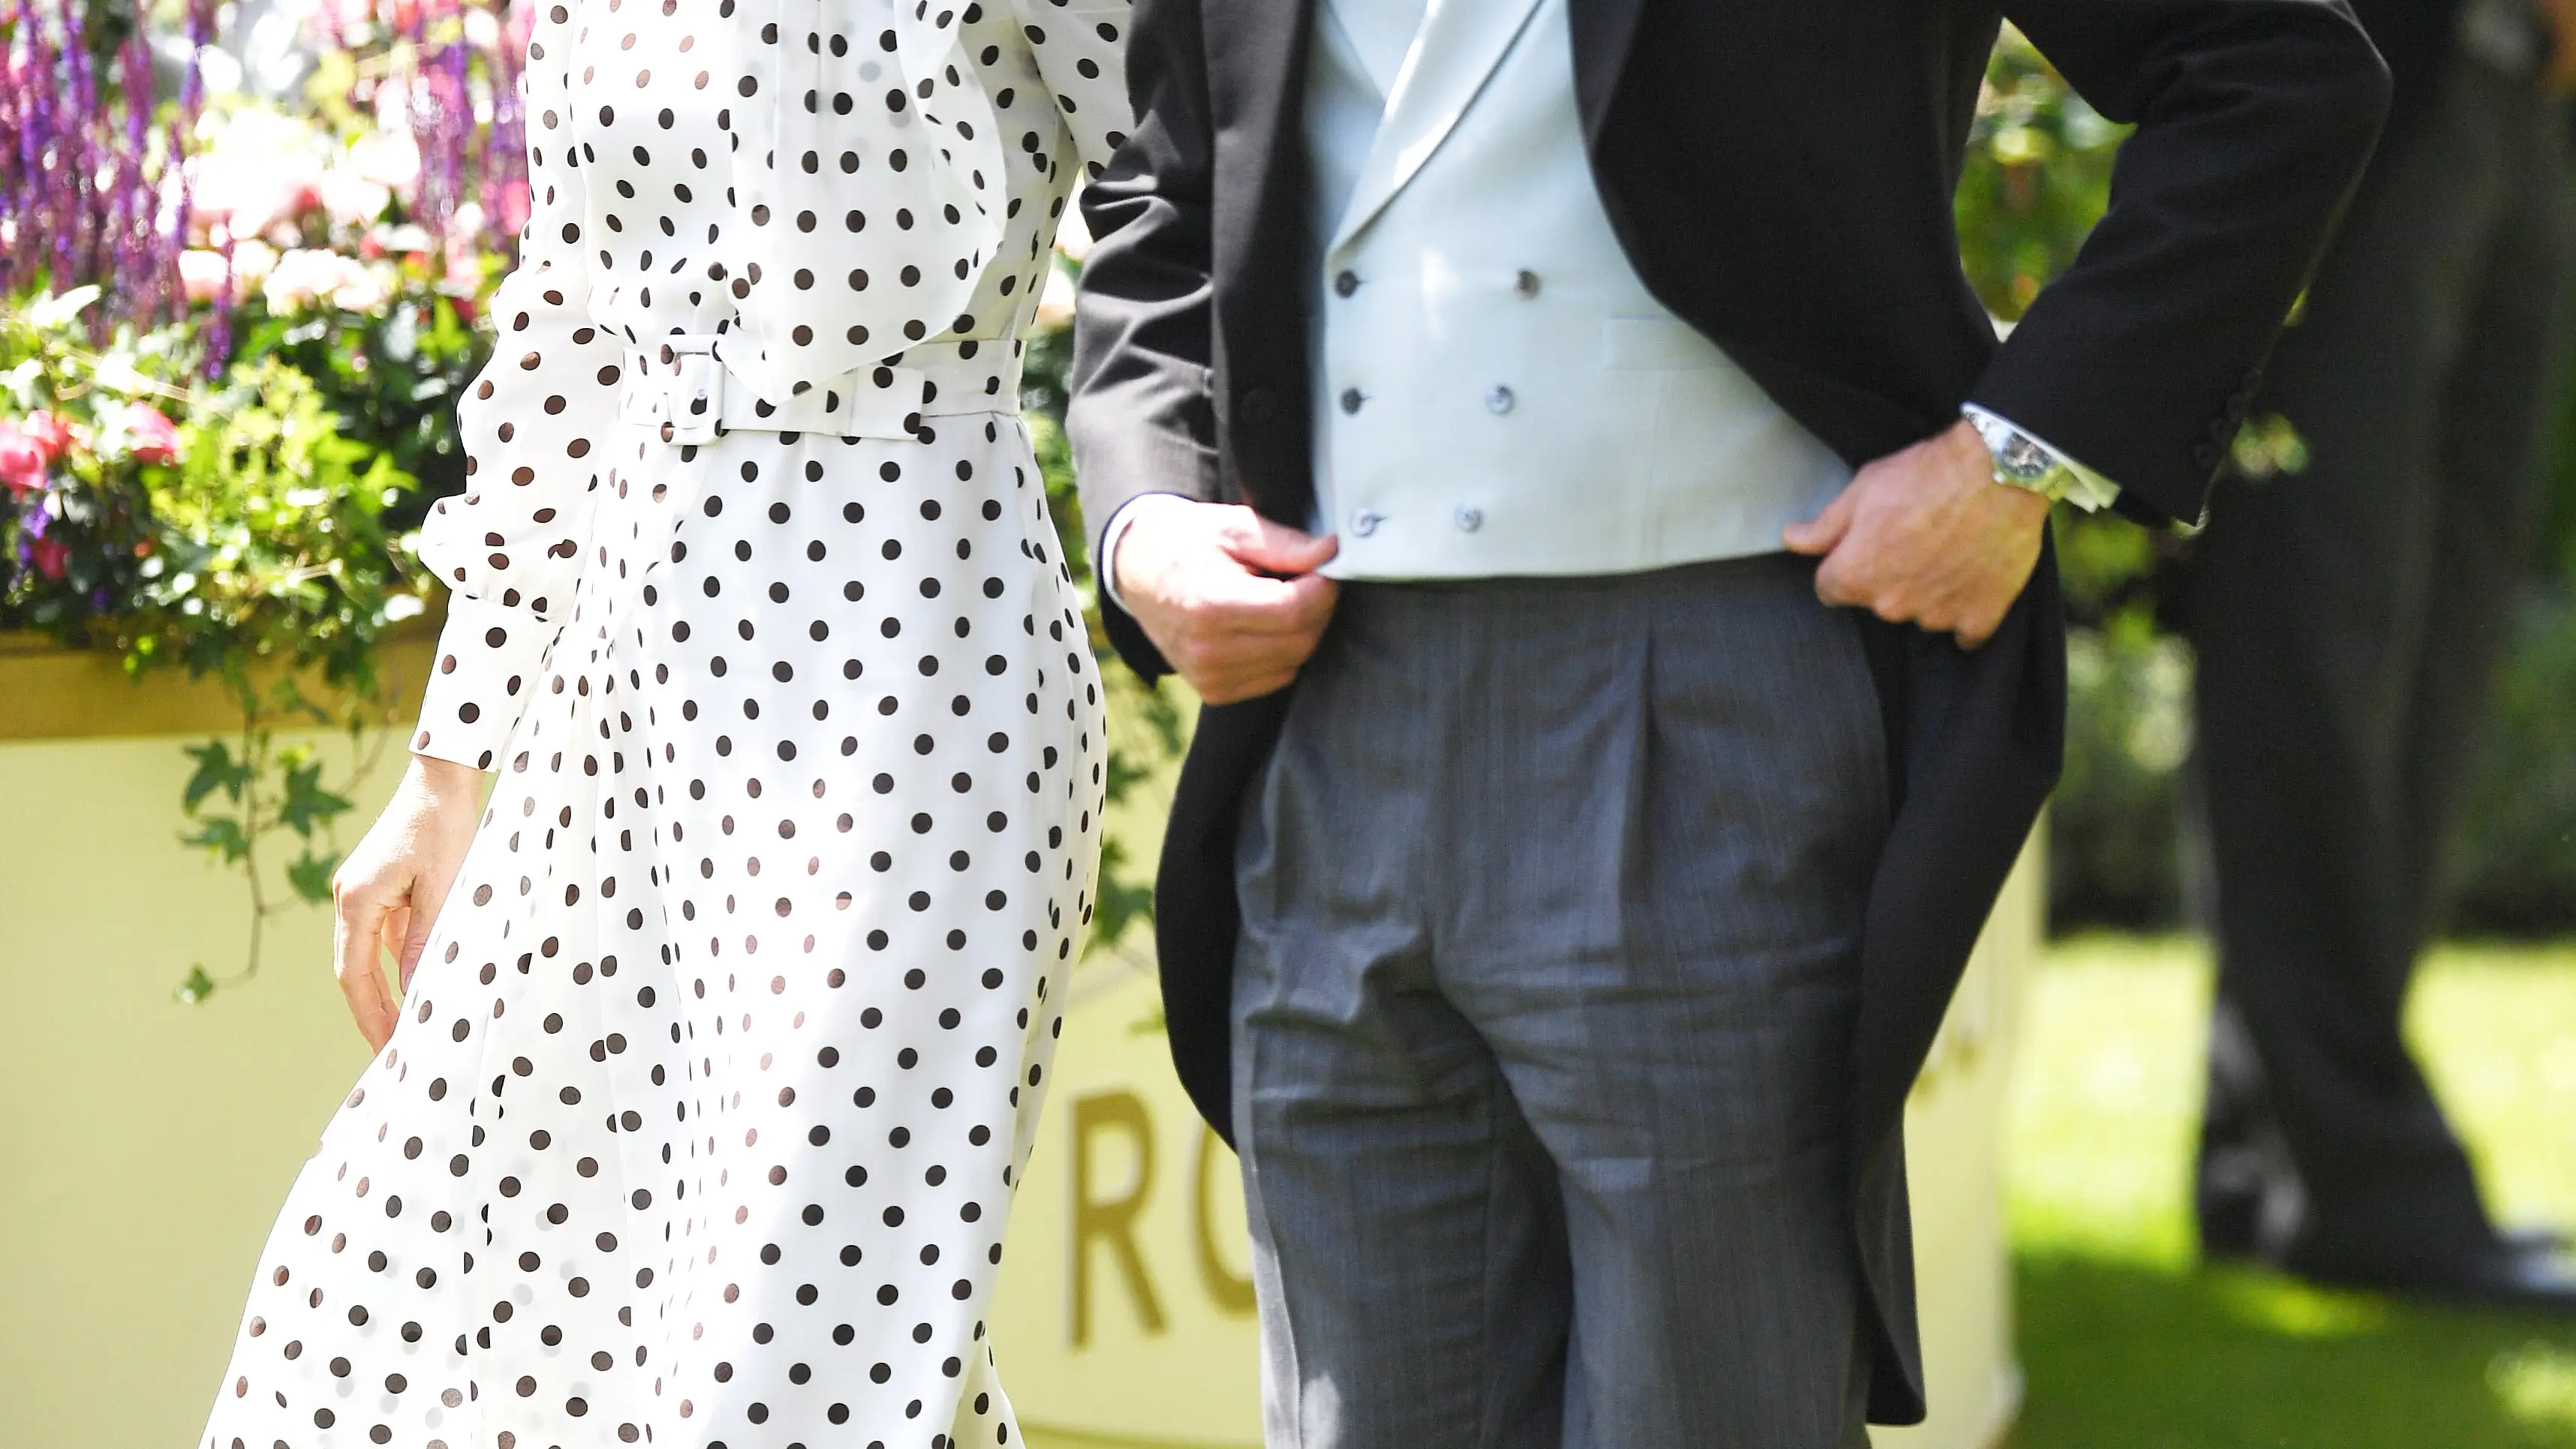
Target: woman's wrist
442,778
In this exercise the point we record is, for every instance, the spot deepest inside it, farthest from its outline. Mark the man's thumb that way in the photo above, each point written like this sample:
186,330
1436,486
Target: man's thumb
1278,549
1818,535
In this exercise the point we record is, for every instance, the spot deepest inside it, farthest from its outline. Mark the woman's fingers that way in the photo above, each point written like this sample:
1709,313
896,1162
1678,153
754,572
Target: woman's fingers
429,889
357,935
387,894
396,937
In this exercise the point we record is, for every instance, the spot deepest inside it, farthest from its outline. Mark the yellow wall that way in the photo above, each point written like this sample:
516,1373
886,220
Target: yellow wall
145,1146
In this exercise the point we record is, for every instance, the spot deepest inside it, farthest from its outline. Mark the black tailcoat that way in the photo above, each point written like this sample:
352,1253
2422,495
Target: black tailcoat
1780,173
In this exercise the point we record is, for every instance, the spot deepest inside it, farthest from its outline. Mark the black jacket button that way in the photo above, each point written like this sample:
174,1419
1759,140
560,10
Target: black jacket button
1259,405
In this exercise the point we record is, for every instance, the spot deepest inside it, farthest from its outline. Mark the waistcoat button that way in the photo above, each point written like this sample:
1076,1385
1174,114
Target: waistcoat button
1525,283
1365,522
1351,399
1345,283
1260,405
1499,400
1470,518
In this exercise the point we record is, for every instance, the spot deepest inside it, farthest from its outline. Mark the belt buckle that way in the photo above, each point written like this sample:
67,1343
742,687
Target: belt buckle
696,391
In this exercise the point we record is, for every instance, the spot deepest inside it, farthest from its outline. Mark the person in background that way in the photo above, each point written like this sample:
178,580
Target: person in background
2347,614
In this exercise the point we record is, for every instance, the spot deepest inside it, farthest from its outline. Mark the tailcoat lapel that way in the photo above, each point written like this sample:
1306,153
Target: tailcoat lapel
1460,44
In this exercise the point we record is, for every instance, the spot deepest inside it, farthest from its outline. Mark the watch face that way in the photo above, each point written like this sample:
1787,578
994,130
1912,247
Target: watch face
2023,460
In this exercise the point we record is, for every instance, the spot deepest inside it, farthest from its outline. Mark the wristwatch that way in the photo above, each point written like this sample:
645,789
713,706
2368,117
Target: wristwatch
2024,462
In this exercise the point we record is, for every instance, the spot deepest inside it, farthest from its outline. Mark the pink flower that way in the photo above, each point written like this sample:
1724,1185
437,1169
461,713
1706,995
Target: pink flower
22,460
513,208
156,438
51,432
51,557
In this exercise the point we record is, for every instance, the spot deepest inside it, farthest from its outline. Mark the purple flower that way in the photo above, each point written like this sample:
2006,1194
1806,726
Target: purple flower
81,199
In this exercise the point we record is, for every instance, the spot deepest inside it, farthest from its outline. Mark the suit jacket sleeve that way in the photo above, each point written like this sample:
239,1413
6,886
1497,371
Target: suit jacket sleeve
1141,419
2254,120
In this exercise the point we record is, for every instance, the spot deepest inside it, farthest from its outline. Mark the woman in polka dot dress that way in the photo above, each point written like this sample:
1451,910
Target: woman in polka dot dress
698,1122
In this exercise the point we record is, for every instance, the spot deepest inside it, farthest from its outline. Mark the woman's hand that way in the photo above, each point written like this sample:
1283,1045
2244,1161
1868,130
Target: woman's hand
386,895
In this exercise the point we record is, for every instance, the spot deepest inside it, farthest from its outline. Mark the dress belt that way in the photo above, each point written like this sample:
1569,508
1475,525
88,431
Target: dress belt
681,386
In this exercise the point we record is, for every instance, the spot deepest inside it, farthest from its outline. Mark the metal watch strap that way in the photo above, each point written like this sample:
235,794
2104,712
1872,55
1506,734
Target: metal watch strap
2021,461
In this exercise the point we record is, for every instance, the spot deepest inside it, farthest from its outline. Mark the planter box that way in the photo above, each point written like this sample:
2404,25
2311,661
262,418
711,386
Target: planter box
48,692
149,1144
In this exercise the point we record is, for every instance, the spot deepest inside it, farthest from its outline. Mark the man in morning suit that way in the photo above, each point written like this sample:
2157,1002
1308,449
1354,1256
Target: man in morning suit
1556,439
2348,616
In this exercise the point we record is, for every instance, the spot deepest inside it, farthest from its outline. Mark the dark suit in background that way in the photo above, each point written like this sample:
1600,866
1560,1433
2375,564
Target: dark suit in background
2347,617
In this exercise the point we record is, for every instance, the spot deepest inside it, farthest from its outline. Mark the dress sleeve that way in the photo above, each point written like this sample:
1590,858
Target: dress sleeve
1081,49
535,425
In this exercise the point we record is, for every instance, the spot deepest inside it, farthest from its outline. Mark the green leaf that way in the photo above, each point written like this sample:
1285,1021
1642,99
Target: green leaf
307,804
223,835
310,874
1118,902
196,986
216,770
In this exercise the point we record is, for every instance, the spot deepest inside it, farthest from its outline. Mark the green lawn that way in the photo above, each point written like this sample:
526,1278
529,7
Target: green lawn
2128,1345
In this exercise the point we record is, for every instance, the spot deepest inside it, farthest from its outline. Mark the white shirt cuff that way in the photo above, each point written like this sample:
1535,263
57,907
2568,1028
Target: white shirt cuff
1104,569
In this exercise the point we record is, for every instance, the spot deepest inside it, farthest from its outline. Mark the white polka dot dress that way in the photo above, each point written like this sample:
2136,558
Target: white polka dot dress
710,1092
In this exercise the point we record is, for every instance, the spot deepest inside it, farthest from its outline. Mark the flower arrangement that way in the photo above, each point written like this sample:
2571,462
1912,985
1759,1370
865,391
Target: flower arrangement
233,528
348,239
229,353
231,331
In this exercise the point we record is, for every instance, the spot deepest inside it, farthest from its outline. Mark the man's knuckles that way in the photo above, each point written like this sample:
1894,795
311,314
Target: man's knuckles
1191,610
1194,655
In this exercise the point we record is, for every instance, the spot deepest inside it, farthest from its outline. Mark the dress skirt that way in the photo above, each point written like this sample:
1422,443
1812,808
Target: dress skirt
703,1118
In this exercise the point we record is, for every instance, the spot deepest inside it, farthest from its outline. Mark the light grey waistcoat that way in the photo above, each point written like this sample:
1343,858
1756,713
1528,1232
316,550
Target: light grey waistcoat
1497,393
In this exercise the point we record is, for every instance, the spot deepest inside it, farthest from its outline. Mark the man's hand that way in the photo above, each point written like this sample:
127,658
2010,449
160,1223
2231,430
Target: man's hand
1231,598
1928,537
